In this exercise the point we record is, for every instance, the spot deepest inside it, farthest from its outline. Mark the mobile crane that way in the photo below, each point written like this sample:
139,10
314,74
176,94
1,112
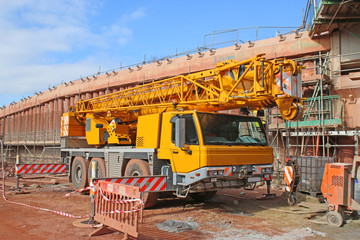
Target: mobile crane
173,128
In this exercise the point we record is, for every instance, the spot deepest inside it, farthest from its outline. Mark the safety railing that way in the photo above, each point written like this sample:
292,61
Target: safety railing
30,137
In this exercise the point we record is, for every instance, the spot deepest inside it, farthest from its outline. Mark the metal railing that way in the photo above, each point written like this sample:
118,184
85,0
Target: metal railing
222,38
31,137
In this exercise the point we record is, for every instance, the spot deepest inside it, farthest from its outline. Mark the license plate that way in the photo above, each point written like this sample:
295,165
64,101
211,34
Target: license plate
213,179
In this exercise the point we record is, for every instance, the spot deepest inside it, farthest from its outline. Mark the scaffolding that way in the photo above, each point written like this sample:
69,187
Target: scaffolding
316,135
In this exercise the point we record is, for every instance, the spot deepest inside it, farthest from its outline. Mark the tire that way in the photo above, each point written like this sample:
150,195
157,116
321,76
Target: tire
334,219
101,169
79,173
137,167
202,196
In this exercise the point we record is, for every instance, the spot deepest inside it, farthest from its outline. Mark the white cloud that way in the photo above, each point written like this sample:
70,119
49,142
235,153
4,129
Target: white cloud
37,35
138,13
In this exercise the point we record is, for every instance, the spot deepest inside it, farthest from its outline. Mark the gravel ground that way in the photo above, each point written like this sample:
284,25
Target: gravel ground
231,214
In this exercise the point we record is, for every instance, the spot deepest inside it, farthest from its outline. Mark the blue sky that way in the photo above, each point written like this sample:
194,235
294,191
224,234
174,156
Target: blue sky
46,42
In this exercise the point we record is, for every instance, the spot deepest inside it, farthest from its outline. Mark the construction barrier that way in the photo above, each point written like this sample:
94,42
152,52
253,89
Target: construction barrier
145,184
288,175
119,207
21,169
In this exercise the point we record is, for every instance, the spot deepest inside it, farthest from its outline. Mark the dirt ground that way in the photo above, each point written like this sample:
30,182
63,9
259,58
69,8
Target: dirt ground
231,214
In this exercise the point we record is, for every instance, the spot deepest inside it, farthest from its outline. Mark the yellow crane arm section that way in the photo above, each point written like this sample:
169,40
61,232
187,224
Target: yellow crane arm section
231,84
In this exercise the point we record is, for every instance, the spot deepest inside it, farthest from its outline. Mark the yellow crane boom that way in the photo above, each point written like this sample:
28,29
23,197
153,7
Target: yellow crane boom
231,84
255,83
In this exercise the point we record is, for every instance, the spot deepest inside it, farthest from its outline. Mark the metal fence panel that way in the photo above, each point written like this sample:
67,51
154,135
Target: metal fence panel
312,171
119,207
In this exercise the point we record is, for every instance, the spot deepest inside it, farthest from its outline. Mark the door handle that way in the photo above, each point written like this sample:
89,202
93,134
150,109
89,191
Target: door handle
176,152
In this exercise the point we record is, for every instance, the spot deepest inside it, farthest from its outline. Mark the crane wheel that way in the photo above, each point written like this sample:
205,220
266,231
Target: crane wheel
334,219
79,173
101,169
137,167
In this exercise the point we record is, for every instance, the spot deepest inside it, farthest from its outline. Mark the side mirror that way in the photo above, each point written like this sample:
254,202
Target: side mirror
99,125
180,132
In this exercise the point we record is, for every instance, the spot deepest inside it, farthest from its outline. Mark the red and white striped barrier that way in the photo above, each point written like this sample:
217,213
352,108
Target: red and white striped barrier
288,175
120,201
40,168
146,184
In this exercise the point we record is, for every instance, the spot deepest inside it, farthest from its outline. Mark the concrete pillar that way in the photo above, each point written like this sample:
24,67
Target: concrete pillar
66,104
95,94
72,101
17,122
28,121
59,112
336,60
10,123
34,120
101,92
41,120
27,129
76,99
46,118
51,115
5,122
15,125
83,96
88,95
2,123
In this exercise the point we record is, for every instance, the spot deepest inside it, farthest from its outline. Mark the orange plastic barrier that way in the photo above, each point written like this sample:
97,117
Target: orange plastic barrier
119,207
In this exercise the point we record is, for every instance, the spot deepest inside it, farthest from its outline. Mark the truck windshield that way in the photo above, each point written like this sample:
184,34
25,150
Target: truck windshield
221,129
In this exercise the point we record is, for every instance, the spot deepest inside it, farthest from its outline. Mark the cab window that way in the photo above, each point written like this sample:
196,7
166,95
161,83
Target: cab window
191,137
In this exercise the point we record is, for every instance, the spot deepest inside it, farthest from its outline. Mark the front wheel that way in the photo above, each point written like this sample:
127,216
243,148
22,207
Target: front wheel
137,167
